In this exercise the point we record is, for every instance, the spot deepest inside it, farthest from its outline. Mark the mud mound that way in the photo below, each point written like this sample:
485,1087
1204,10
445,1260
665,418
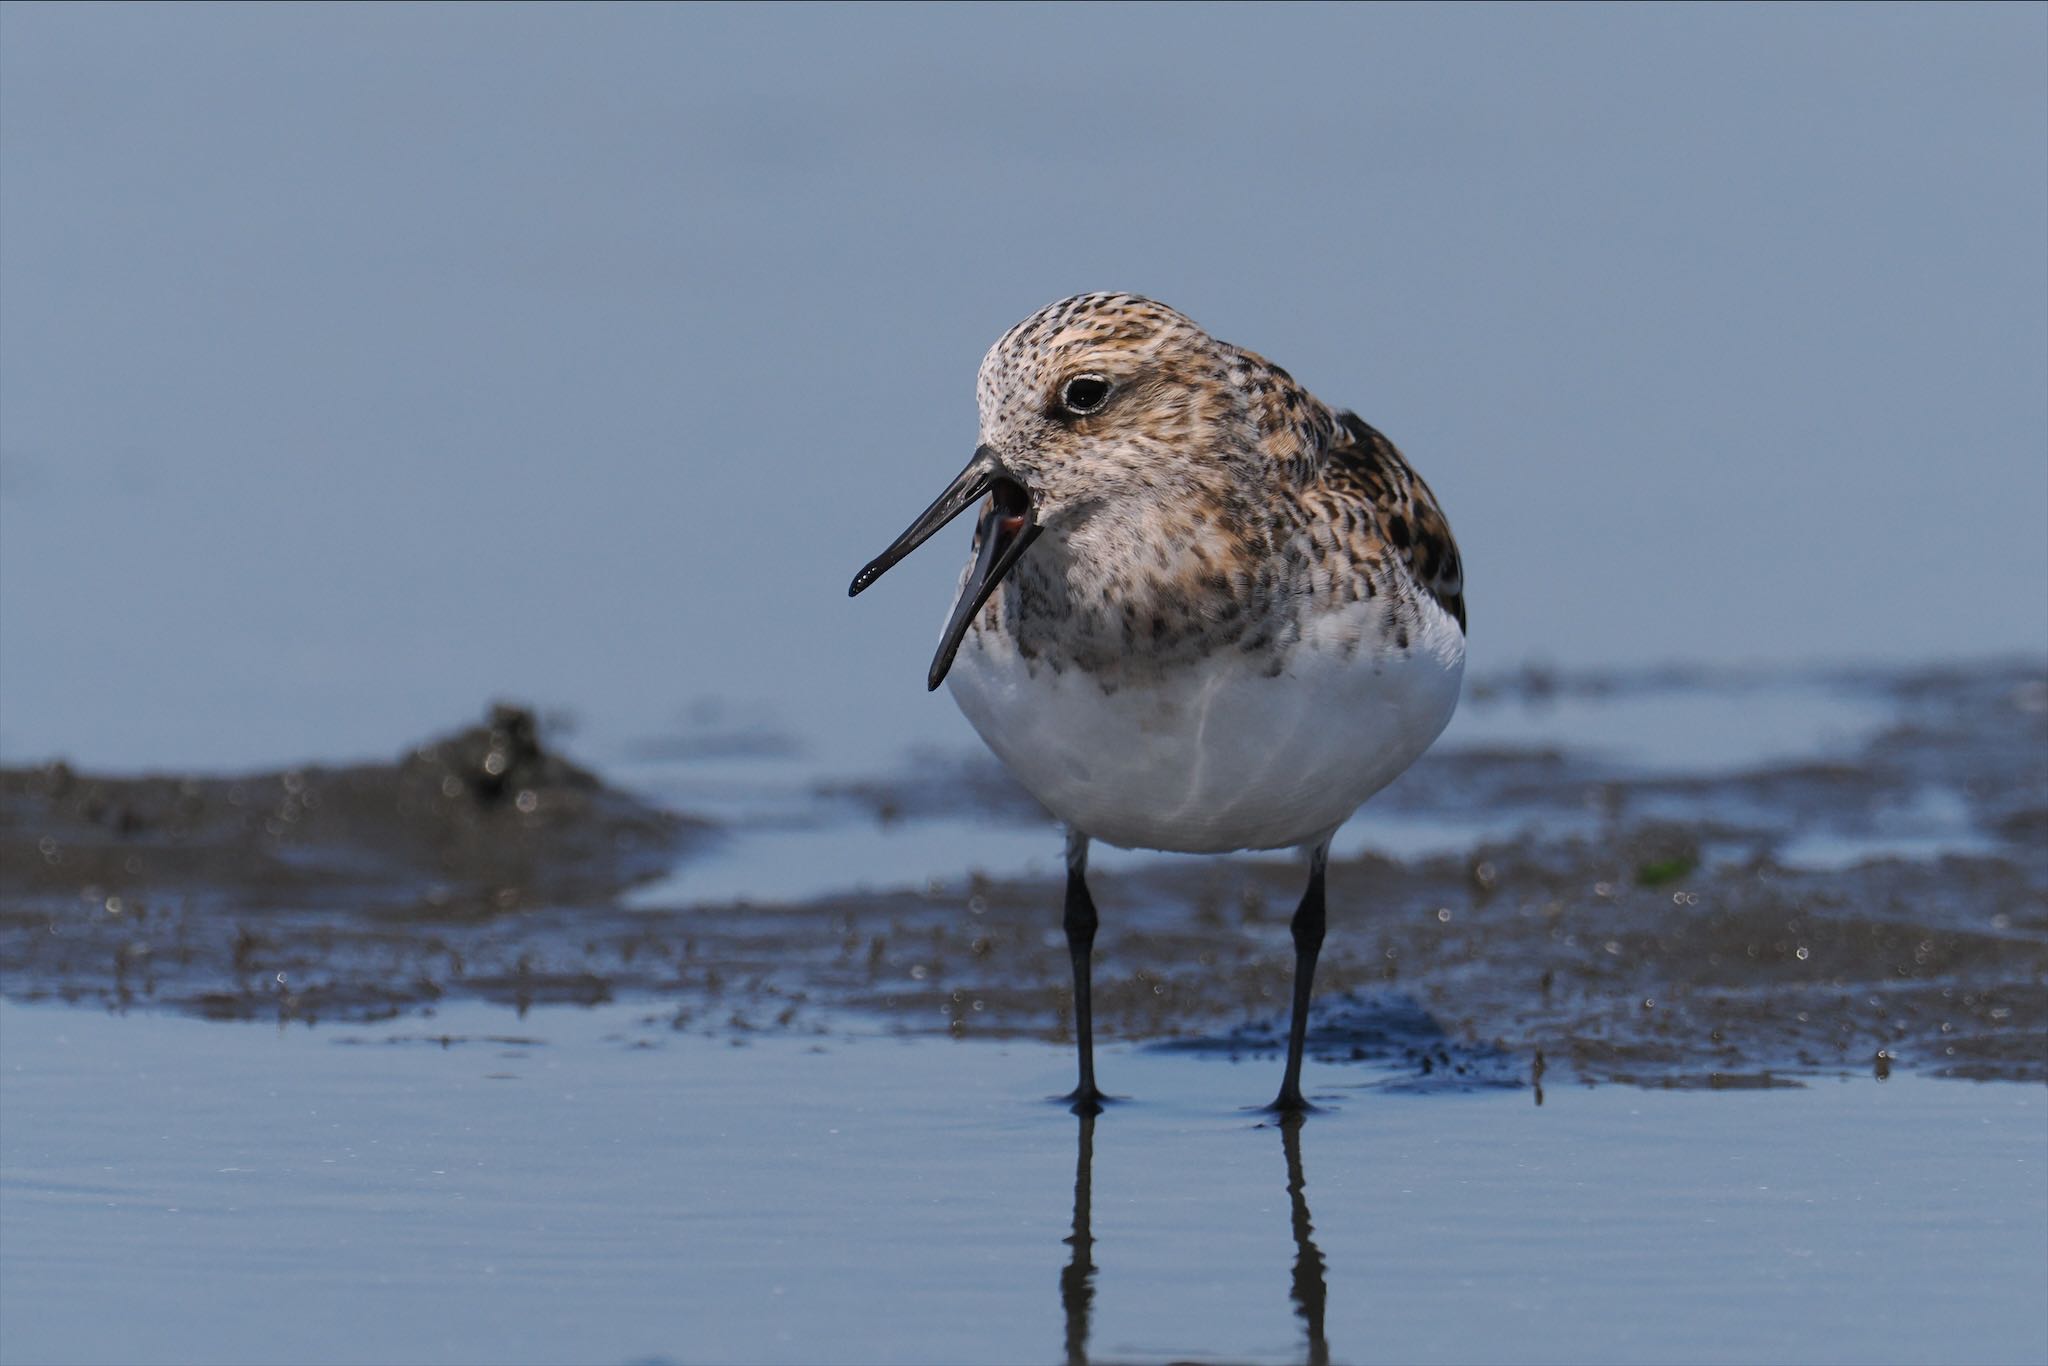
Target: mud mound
191,889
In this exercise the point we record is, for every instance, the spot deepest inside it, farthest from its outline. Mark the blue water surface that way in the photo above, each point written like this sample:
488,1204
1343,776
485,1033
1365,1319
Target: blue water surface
591,1185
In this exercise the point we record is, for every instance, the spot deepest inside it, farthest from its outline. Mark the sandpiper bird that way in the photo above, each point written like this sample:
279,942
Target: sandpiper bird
1204,611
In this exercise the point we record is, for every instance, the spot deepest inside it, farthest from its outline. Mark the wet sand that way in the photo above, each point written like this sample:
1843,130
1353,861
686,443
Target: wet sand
1881,908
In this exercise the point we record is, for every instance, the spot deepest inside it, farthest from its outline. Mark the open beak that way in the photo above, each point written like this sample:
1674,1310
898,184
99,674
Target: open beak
1006,529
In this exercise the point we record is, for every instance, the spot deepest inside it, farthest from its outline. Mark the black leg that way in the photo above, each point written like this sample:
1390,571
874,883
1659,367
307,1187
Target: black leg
1080,925
1308,942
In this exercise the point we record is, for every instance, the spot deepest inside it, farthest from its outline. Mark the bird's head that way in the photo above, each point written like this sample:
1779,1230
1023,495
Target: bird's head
1101,398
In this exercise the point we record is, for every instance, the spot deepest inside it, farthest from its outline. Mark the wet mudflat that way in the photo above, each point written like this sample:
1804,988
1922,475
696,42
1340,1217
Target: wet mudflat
1663,1017
1876,902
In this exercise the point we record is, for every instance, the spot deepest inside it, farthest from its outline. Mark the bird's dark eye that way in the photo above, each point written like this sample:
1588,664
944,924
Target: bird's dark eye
1084,394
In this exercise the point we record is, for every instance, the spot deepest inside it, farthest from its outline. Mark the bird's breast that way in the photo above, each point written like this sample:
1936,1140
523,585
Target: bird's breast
1226,749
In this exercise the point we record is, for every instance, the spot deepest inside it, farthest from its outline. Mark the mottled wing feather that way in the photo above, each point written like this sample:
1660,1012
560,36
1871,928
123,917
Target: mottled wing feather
1366,465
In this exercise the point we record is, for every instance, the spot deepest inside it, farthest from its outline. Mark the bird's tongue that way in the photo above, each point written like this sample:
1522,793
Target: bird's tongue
1009,511
1005,532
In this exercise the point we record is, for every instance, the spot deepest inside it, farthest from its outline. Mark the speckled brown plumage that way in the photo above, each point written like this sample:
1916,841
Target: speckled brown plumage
1364,466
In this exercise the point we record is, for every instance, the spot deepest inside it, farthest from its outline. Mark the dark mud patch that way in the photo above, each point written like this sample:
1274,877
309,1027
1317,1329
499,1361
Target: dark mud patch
1472,971
1645,928
316,889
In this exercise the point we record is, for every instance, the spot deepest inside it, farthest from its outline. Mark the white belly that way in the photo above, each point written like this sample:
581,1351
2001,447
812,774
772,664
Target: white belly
1217,756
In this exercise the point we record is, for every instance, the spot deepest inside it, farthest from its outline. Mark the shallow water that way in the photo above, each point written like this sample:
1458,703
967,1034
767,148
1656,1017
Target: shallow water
597,1186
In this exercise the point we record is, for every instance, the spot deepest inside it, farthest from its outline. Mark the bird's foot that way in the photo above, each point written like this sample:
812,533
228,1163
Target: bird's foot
1085,1100
1289,1102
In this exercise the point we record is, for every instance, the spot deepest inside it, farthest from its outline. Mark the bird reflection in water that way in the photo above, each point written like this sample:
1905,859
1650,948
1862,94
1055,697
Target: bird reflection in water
1077,1278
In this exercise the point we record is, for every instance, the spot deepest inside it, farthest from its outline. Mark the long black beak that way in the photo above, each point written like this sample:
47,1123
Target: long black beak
1006,530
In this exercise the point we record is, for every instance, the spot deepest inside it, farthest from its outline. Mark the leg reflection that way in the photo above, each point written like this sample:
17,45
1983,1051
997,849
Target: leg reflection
1309,1290
1077,1278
